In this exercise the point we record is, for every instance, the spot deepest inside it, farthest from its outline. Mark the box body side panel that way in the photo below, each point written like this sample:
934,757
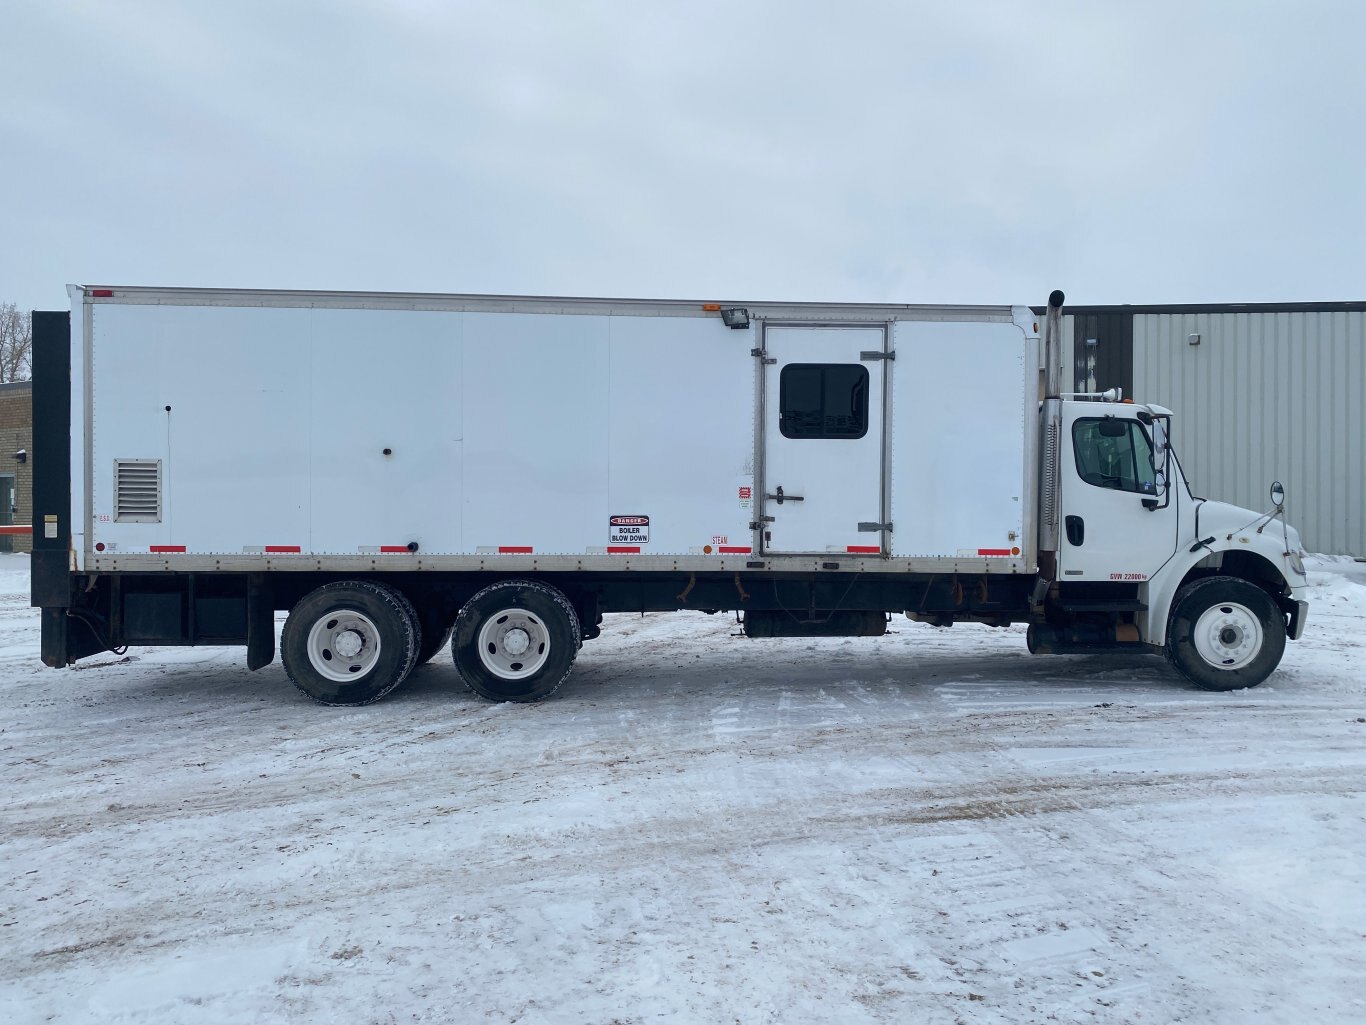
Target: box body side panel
962,407
220,399
342,432
681,434
384,440
535,411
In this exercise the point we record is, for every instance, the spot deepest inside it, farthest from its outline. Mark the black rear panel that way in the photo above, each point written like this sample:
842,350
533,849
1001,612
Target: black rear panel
51,458
63,640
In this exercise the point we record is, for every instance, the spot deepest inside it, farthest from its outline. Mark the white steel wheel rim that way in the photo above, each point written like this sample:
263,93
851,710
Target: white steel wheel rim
343,645
514,644
1228,635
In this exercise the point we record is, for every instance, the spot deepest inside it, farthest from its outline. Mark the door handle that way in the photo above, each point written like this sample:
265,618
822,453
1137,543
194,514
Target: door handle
1076,531
780,498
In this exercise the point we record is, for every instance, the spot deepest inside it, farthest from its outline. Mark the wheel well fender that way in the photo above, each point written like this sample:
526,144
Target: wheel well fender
1253,567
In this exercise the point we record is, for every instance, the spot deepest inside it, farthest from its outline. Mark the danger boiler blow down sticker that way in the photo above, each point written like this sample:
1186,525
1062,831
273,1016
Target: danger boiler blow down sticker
628,530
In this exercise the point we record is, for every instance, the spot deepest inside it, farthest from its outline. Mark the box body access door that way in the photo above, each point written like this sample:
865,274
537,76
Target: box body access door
823,440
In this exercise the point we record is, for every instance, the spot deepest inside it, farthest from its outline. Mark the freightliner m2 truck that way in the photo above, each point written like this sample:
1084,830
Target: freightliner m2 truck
407,473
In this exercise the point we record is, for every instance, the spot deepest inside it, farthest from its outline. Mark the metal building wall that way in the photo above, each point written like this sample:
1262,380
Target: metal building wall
1114,351
1267,396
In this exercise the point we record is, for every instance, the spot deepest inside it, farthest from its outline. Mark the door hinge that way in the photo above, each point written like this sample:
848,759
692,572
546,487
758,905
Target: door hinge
873,354
872,528
760,354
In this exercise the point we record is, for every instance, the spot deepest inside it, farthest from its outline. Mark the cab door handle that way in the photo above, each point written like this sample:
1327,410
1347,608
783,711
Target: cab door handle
1076,531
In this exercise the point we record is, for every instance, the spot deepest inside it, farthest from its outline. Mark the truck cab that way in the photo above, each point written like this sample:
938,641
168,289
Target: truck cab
1218,588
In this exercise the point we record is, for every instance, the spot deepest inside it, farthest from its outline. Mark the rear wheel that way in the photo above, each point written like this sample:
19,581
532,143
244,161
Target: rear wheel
1225,633
349,642
516,640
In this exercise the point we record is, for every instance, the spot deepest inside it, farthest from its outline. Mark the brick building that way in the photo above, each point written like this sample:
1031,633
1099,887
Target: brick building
16,471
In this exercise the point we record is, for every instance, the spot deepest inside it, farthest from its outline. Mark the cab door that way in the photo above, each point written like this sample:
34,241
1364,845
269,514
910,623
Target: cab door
822,470
1119,523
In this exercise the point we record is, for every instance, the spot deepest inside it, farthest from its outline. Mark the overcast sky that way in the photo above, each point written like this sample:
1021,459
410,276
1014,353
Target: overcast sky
843,149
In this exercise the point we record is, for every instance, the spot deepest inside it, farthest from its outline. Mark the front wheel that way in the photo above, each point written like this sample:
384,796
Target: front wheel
1225,633
349,642
516,640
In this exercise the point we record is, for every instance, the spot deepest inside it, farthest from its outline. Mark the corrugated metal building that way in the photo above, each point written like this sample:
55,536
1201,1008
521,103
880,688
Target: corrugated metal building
1261,392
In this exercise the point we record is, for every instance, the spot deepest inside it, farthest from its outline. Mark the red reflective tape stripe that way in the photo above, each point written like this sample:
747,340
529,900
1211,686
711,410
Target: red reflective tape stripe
623,550
514,549
734,550
993,551
864,549
166,548
283,548
25,529
394,548
101,293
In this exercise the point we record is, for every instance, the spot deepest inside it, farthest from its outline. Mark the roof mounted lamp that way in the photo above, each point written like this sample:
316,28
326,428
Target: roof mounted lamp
735,317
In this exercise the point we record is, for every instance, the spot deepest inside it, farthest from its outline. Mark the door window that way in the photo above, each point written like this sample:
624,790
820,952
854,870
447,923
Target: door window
1114,453
823,400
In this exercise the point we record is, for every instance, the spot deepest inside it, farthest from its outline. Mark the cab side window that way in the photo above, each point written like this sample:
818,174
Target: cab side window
1113,453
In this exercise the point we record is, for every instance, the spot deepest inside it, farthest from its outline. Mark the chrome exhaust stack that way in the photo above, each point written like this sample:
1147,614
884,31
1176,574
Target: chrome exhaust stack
1052,345
1050,448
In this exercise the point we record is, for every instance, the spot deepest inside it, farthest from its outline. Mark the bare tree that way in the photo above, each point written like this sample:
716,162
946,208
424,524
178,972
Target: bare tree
16,344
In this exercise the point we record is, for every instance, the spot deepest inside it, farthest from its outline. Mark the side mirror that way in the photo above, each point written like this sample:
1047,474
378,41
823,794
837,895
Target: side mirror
1277,493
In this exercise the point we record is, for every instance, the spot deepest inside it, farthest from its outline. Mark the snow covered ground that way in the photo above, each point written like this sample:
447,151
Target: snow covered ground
929,827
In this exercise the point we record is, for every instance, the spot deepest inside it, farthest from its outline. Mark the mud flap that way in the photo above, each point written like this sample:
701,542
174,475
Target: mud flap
260,623
1298,615
64,639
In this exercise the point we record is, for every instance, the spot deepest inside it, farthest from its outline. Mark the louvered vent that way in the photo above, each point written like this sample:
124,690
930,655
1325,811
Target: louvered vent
137,490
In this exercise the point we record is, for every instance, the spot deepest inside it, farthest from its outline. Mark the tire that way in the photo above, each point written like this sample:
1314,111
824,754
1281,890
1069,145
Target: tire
433,641
433,631
1225,633
516,640
419,634
349,642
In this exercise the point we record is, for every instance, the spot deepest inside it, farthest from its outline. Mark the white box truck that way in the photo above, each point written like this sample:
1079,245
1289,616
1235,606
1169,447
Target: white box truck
404,472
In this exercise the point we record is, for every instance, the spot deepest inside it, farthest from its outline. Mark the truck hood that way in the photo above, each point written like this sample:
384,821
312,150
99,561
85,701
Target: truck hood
1280,544
1222,519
